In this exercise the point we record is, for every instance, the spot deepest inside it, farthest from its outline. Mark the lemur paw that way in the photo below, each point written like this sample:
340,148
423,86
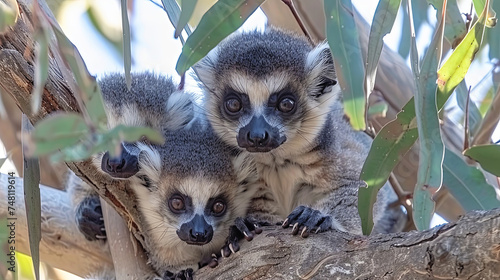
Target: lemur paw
306,219
211,261
181,275
89,219
242,228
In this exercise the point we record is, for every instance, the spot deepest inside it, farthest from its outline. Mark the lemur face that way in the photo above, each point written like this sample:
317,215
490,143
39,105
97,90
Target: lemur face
268,92
189,191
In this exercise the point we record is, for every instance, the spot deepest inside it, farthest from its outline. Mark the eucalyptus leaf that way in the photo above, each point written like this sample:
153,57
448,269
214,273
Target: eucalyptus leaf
431,153
388,147
56,132
186,12
490,16
2,161
454,30
127,52
174,13
398,136
382,23
467,184
487,156
219,21
9,11
344,43
31,182
462,93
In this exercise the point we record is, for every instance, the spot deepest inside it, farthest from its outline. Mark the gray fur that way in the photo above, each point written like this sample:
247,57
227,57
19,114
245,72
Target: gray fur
319,164
193,161
196,163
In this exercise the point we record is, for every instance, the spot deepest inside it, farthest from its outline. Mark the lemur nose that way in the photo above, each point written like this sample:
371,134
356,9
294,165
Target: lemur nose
198,236
259,138
115,164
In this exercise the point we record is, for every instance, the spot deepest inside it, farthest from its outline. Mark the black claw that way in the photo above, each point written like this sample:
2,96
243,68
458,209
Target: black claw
242,228
89,219
211,261
181,275
305,220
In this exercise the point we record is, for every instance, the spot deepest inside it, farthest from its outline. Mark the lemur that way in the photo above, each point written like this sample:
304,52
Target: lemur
191,191
275,96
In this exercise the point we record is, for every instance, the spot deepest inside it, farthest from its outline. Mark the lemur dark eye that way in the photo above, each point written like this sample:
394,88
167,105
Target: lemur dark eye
218,208
176,204
233,105
286,105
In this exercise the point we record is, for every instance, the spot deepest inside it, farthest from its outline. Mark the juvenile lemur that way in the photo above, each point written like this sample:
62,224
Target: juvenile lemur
275,96
190,190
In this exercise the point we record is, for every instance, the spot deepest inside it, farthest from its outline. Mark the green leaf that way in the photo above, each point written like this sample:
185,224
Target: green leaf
379,109
467,184
397,137
454,22
56,132
383,20
454,69
493,35
419,9
127,53
488,156
90,92
8,14
219,21
186,12
107,141
475,117
41,65
390,145
344,44
174,12
2,161
31,182
431,153
490,16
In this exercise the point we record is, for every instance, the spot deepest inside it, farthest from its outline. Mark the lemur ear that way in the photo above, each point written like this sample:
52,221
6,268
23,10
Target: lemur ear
205,69
320,70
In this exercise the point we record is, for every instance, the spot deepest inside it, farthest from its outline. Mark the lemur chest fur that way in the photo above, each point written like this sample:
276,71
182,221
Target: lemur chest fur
291,183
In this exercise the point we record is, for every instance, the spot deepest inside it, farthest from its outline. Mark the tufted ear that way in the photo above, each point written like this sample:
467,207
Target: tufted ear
205,69
320,70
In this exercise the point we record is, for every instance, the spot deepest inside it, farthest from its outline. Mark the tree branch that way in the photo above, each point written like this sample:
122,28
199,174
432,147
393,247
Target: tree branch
470,247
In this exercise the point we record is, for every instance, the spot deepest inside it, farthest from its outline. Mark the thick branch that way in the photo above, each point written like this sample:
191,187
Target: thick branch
62,245
467,249
470,247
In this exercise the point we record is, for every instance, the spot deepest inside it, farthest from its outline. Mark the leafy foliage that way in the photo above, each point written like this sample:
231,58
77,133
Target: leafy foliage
344,44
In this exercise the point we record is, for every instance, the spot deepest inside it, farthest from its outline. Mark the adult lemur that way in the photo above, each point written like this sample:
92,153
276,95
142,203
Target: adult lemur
190,190
275,96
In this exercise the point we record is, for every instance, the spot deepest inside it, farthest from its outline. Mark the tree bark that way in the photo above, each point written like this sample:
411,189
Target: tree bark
62,245
467,249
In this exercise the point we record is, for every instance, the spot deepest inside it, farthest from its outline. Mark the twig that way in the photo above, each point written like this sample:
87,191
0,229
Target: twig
290,5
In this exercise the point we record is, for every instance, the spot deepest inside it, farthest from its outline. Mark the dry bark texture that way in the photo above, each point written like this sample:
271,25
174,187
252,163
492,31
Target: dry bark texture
467,249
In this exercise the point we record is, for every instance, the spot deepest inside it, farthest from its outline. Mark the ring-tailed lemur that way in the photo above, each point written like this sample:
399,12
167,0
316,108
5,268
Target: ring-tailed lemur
275,96
191,190
152,101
